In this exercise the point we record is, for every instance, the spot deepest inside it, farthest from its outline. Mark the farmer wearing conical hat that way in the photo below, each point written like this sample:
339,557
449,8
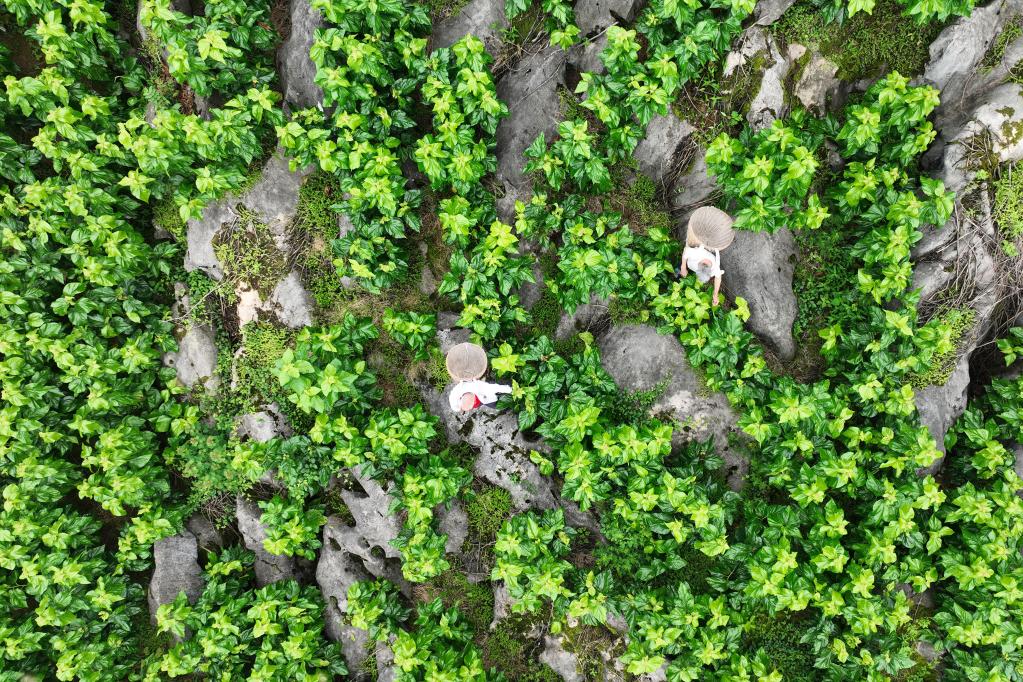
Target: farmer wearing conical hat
466,363
709,233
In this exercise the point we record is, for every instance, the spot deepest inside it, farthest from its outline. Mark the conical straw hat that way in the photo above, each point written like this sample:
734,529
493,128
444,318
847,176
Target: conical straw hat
466,362
711,227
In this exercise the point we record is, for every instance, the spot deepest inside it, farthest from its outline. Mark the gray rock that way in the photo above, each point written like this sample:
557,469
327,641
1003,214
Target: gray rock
956,56
585,57
373,531
769,11
386,670
482,18
695,188
336,571
530,89
503,458
258,426
818,86
270,568
751,44
931,277
593,317
274,200
427,280
196,358
206,534
592,16
449,338
927,651
769,103
295,66
639,359
175,570
564,663
656,152
290,302
531,292
758,266
502,604
1017,451
453,522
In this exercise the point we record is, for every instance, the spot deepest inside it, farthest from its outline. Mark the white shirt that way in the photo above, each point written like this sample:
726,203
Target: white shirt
692,255
486,392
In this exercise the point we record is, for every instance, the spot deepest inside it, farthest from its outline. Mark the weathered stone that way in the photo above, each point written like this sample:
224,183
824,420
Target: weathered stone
295,66
503,458
427,280
196,358
530,293
373,531
449,338
564,663
502,604
769,11
590,317
273,199
758,267
818,85
656,152
269,568
336,571
290,302
640,359
453,522
258,426
206,534
695,188
931,277
249,303
530,89
927,651
175,570
484,19
956,56
769,104
592,16
751,45
386,670
585,56
1017,451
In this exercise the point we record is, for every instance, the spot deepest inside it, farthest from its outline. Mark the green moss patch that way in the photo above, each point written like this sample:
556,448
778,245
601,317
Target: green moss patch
864,45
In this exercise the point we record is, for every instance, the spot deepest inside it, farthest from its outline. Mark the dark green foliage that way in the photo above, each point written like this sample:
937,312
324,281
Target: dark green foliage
779,637
487,511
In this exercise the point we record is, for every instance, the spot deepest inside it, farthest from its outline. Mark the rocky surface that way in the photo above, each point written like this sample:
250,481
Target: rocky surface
640,359
196,358
336,571
294,65
482,18
694,188
564,663
175,570
769,11
758,267
258,426
530,89
453,522
206,534
593,16
372,532
585,56
656,152
593,317
290,302
273,199
956,56
269,568
818,86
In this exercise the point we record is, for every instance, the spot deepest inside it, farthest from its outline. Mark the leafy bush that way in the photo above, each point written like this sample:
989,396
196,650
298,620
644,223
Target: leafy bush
292,529
238,631
415,331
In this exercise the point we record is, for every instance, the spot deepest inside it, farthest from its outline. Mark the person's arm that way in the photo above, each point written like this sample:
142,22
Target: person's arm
717,288
684,270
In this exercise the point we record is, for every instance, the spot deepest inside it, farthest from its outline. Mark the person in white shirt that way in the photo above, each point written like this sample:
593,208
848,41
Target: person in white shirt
468,395
467,363
709,233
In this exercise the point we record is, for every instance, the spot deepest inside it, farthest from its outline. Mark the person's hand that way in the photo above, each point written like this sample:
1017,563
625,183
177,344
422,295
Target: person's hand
683,271
714,299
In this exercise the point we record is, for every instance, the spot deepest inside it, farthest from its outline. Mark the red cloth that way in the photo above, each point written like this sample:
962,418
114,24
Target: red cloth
475,401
